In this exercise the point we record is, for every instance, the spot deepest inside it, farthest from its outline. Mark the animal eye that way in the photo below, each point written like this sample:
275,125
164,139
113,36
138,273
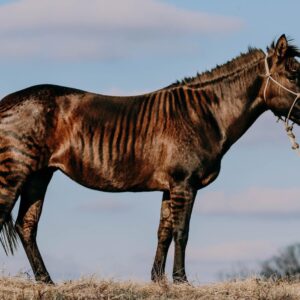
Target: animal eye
292,77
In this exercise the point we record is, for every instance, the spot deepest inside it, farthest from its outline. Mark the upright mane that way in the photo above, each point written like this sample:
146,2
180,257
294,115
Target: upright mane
243,62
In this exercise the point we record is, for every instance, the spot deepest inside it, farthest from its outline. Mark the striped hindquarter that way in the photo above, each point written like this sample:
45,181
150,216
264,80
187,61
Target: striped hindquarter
23,158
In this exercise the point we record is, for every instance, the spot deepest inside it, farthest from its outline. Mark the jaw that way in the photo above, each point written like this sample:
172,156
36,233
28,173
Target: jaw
282,112
281,108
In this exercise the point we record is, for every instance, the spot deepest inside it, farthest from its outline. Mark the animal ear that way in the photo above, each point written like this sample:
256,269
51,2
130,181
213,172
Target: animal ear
281,46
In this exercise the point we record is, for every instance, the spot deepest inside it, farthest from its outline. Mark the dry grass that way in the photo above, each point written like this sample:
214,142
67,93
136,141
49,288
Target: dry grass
252,289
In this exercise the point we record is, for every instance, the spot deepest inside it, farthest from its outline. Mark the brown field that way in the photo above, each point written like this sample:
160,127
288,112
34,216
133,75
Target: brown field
19,288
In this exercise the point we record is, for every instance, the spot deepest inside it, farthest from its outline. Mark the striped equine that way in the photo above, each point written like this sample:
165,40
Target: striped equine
171,140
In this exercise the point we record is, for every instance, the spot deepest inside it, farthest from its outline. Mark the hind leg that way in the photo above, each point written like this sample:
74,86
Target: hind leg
32,197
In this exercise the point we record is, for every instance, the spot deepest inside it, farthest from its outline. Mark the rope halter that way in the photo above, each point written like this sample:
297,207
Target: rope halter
288,127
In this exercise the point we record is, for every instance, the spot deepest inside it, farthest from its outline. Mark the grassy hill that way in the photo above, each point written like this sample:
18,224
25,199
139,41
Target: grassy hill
252,289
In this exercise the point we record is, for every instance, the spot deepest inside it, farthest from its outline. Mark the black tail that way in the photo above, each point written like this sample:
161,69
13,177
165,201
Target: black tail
8,236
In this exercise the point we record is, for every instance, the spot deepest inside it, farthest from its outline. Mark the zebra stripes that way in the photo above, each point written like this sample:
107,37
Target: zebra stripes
134,126
131,126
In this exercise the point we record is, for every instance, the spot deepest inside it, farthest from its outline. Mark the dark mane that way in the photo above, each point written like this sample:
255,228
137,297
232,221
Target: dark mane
242,62
232,67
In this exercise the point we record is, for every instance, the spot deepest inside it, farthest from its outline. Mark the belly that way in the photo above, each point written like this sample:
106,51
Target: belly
113,177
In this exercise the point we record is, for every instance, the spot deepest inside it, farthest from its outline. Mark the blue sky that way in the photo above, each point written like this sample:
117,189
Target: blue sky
130,47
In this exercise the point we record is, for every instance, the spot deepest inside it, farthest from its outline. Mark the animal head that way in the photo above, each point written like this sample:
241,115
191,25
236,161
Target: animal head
282,80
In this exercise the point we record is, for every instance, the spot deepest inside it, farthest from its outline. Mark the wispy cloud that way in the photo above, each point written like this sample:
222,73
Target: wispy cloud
105,205
232,251
100,29
253,201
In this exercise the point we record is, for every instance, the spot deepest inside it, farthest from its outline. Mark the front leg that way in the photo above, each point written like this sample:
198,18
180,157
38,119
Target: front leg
182,201
164,236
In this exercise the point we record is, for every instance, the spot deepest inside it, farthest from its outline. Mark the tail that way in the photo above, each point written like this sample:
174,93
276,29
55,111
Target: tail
8,236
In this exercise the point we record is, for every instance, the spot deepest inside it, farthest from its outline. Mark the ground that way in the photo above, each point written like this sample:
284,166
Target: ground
92,288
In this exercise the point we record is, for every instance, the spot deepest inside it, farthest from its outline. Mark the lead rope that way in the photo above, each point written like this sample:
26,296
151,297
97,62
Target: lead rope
288,127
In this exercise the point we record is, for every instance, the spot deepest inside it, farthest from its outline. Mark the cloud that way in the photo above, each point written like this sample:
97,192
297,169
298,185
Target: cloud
221,252
231,252
253,201
105,205
100,29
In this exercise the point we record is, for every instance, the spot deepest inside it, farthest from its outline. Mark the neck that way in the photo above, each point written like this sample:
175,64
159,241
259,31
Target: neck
236,92
238,111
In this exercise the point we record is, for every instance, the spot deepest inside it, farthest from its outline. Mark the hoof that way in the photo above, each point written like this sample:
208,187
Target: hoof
158,277
180,280
46,280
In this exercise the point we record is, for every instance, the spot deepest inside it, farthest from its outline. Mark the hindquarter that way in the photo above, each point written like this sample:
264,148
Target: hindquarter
23,131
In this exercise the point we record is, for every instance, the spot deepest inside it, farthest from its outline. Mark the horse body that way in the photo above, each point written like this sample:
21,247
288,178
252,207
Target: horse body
138,153
171,140
88,140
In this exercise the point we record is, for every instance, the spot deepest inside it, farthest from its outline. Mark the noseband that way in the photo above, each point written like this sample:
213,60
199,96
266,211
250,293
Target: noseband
288,127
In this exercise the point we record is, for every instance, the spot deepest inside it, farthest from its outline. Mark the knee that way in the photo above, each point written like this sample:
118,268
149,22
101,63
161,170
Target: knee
164,235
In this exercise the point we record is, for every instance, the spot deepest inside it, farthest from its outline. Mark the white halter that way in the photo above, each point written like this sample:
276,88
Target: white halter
288,128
